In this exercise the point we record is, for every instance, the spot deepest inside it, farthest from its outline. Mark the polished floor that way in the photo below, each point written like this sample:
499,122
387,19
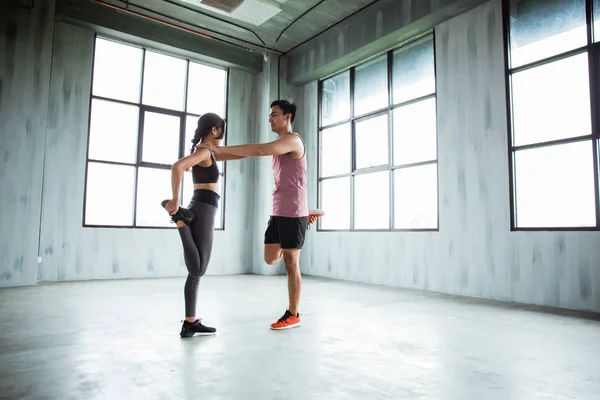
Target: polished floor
119,340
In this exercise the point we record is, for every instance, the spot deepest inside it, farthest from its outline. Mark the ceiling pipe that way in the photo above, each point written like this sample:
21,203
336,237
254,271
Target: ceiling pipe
331,26
297,19
203,29
195,10
161,21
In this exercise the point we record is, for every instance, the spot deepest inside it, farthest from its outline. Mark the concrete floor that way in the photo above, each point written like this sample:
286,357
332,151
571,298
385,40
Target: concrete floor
120,340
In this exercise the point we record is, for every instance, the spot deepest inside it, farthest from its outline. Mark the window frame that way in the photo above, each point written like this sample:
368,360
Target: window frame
143,108
391,166
593,52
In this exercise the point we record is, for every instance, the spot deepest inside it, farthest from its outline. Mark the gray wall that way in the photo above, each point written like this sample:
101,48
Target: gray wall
43,146
51,154
474,253
25,51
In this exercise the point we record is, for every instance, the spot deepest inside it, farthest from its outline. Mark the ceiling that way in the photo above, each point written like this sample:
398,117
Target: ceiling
254,21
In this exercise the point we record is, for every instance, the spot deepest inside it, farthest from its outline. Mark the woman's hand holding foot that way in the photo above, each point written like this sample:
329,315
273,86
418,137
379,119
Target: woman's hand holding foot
172,206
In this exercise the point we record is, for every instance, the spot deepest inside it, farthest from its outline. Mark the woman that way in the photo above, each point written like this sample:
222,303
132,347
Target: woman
196,223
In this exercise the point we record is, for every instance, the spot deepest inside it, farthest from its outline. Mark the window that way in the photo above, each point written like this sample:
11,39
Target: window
378,143
143,113
553,78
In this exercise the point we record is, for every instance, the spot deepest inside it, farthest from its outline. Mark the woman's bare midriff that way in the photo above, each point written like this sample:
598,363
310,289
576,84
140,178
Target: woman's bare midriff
210,186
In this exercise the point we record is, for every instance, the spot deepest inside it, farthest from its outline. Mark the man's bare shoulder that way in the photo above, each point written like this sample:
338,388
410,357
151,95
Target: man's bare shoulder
292,136
299,149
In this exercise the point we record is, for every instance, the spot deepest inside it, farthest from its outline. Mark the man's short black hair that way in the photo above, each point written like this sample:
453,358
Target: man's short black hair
286,107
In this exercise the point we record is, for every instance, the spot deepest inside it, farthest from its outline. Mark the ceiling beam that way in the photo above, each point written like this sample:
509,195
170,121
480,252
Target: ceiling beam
144,31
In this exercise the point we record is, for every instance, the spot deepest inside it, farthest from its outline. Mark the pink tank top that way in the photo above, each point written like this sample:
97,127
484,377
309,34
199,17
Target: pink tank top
289,196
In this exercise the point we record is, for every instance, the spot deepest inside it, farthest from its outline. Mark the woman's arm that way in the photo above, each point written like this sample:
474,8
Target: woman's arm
182,165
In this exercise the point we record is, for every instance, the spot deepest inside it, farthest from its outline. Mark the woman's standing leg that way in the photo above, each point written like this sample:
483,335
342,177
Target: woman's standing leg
197,240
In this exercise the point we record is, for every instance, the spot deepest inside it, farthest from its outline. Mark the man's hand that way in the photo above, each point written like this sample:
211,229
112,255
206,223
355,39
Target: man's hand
214,149
172,206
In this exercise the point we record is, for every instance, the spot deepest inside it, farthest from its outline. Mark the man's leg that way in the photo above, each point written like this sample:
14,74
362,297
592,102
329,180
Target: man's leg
291,258
292,232
273,251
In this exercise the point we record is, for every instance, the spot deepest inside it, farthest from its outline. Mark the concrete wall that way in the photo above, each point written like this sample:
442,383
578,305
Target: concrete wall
44,145
474,253
25,54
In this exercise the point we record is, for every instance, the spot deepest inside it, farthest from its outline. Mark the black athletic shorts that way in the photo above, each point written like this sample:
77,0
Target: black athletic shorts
288,232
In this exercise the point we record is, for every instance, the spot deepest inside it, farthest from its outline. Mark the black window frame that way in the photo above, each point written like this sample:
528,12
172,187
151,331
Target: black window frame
143,108
593,51
390,166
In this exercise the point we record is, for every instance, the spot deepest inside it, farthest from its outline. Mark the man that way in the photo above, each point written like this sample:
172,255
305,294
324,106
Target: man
284,236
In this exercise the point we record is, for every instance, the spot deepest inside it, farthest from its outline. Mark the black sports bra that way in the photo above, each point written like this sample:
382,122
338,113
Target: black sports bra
202,174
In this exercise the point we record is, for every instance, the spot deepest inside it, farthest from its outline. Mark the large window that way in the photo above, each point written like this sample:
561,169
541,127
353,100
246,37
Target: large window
144,109
553,82
378,143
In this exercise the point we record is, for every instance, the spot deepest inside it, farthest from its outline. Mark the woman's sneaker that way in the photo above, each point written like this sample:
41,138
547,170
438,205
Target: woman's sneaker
183,214
189,329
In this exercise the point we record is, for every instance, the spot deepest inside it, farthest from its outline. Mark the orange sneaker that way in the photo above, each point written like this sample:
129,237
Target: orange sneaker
314,214
287,321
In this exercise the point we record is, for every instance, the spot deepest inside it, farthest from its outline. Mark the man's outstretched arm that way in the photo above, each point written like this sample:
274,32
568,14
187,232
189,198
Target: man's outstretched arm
284,145
227,157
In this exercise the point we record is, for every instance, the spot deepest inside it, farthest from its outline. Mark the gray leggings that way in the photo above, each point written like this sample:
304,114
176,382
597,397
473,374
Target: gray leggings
197,240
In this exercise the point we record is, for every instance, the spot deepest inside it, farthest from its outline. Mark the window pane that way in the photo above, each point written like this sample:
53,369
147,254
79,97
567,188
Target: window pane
188,188
335,150
555,186
117,71
206,90
416,197
109,194
552,101
154,186
191,122
596,20
335,201
542,28
161,138
413,72
415,137
335,100
372,142
110,124
371,86
372,201
188,191
164,81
